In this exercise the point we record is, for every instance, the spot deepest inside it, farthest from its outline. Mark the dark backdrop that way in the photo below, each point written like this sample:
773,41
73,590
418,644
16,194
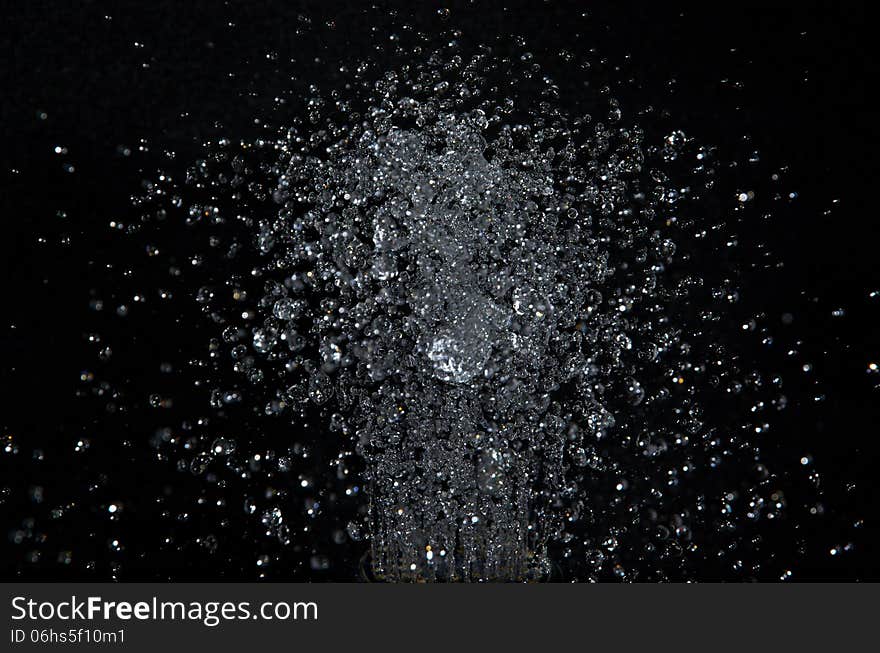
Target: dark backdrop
796,80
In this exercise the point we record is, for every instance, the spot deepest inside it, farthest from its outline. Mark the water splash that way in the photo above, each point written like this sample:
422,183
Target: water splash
510,306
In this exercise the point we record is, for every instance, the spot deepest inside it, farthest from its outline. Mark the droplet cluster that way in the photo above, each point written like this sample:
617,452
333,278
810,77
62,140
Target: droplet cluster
513,306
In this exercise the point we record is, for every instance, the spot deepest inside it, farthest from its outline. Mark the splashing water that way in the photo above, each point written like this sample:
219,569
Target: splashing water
514,313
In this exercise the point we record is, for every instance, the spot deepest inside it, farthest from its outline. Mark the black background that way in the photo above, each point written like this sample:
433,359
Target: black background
795,80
